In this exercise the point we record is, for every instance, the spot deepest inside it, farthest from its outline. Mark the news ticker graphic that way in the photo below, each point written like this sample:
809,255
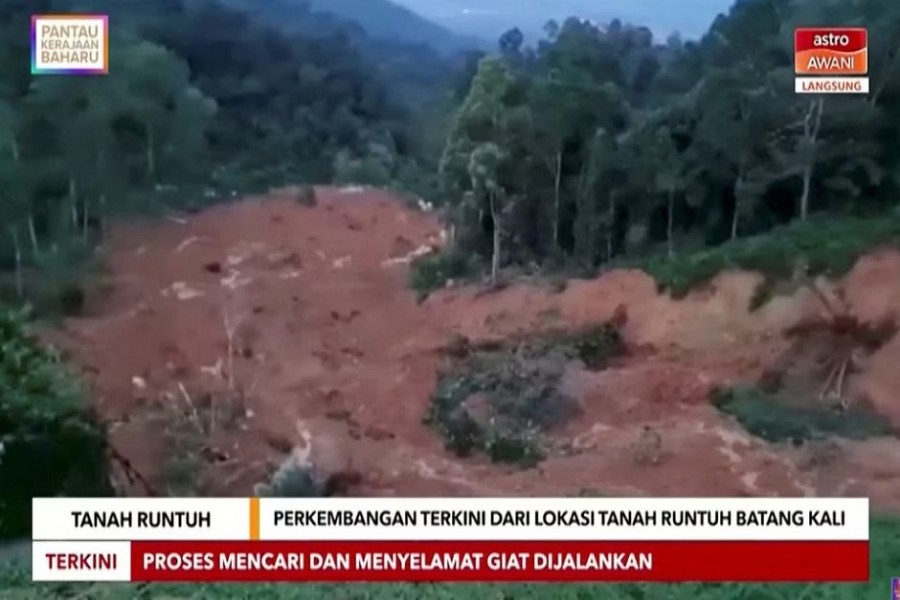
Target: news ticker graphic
450,539
831,60
451,561
69,44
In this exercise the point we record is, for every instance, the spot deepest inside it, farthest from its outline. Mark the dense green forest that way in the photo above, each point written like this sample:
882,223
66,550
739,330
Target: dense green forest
597,146
602,143
199,96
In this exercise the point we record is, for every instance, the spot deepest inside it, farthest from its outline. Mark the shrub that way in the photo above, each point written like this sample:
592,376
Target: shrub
593,346
49,442
775,419
499,401
431,272
292,479
827,246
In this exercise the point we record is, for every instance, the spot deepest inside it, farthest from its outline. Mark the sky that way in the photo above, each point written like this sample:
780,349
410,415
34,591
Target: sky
489,18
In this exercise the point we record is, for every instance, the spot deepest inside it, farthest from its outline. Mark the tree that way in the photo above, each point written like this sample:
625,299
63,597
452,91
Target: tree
156,92
511,43
13,203
477,121
484,171
576,89
660,164
596,219
733,139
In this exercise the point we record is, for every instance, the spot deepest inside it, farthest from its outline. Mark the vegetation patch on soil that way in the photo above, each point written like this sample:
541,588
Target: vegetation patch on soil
822,246
432,272
499,400
807,395
50,444
776,418
195,427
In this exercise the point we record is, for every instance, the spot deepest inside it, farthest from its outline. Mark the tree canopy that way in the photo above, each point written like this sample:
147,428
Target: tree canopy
633,142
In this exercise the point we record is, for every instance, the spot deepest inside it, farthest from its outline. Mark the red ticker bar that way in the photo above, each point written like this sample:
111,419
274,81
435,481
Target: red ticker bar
506,561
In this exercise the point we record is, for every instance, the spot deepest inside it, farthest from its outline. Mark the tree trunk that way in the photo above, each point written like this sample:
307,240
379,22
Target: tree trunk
887,72
804,198
816,107
556,199
151,156
734,219
495,258
611,227
84,217
73,202
32,233
20,283
670,226
100,214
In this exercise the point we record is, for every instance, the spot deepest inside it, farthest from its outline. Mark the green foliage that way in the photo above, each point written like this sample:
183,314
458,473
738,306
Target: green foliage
823,245
778,419
431,272
292,480
499,401
594,345
54,281
202,98
49,443
606,133
372,169
885,564
517,393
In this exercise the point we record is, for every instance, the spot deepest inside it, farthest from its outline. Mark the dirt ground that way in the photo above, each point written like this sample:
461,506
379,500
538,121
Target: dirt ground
296,322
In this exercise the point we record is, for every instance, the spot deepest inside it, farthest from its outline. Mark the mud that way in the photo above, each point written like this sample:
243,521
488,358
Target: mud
303,314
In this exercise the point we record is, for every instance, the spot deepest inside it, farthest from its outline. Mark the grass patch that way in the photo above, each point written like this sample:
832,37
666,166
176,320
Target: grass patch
431,272
775,419
885,563
499,401
826,246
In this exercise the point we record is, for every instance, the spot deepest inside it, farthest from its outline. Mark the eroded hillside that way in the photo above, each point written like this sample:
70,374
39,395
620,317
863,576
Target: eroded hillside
218,343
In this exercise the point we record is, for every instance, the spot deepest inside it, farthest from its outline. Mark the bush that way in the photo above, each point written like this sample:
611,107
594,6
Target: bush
431,272
49,442
827,246
593,346
292,479
775,419
372,169
499,401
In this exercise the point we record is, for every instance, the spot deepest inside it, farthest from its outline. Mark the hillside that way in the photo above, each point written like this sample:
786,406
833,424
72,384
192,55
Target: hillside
329,348
387,20
383,21
414,58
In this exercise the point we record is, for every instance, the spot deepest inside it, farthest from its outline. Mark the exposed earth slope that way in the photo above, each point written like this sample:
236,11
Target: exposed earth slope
260,328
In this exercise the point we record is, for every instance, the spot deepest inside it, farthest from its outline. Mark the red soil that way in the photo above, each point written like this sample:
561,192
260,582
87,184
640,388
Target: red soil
334,354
